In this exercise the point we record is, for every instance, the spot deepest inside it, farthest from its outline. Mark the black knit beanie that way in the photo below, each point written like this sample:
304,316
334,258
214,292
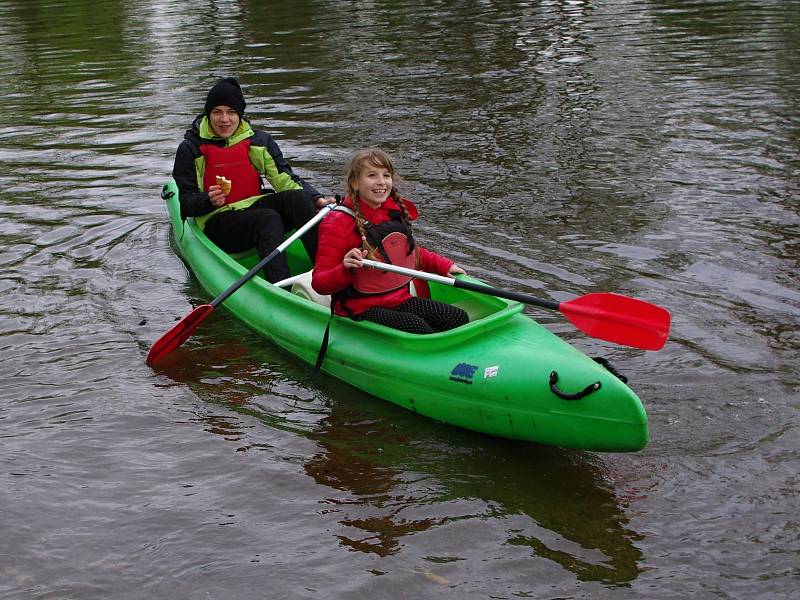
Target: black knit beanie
228,93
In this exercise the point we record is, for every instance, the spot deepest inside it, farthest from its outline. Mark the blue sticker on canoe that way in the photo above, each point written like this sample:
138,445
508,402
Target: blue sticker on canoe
463,373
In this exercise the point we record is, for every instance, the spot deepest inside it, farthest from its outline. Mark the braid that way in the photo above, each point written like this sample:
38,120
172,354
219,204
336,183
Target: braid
362,231
406,220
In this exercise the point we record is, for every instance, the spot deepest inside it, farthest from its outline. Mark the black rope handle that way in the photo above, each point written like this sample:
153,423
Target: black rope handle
166,195
592,387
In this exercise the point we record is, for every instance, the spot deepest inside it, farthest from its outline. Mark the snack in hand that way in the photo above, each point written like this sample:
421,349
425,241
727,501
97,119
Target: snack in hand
224,183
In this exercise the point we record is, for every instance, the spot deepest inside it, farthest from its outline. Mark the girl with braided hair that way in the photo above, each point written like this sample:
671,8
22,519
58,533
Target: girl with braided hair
374,222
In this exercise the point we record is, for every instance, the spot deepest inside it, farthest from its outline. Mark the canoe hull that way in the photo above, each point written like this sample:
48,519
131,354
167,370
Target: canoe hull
491,376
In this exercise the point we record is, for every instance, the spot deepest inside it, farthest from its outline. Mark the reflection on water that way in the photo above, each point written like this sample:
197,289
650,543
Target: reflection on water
570,515
372,513
389,479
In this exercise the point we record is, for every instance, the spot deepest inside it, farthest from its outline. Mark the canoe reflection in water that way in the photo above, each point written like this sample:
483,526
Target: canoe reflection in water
402,476
392,475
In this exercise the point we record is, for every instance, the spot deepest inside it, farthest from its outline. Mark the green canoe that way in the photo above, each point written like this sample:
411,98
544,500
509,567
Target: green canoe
502,374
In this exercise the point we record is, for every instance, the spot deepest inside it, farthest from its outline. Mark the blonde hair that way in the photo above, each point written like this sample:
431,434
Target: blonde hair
359,161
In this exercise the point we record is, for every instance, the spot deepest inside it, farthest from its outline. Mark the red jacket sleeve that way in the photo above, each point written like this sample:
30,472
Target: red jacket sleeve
432,262
336,237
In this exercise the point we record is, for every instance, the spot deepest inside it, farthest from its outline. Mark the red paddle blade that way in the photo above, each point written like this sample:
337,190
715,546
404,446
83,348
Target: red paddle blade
619,319
181,332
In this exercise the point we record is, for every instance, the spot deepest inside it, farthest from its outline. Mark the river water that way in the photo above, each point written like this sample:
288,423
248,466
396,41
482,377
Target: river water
555,147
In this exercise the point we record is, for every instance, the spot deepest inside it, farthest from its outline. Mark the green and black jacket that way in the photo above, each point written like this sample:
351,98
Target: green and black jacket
264,154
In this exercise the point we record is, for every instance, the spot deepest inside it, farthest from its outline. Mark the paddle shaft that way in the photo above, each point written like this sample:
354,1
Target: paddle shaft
186,326
262,263
464,285
611,317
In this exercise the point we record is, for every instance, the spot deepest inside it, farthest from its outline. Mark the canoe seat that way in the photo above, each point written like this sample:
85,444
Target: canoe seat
302,287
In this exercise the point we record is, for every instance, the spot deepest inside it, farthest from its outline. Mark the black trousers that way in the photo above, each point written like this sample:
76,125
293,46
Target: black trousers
263,226
418,315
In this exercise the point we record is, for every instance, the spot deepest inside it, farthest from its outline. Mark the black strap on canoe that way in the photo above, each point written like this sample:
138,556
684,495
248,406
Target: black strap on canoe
323,350
610,368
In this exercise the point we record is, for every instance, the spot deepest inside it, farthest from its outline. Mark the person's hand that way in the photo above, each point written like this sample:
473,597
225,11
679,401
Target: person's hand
216,196
353,259
323,201
456,270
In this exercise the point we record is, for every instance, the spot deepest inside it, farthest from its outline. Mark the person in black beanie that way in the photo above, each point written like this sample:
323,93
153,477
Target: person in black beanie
222,144
226,92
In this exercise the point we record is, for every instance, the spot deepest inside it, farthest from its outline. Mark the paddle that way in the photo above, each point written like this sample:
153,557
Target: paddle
184,328
611,317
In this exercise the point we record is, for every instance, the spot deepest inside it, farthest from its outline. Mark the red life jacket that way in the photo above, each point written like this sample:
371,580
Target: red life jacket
374,281
394,247
234,163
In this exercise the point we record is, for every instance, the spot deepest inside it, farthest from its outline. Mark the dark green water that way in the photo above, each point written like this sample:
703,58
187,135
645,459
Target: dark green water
650,148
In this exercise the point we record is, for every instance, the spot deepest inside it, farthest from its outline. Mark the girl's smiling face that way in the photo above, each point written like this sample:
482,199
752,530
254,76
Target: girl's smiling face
374,184
224,121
